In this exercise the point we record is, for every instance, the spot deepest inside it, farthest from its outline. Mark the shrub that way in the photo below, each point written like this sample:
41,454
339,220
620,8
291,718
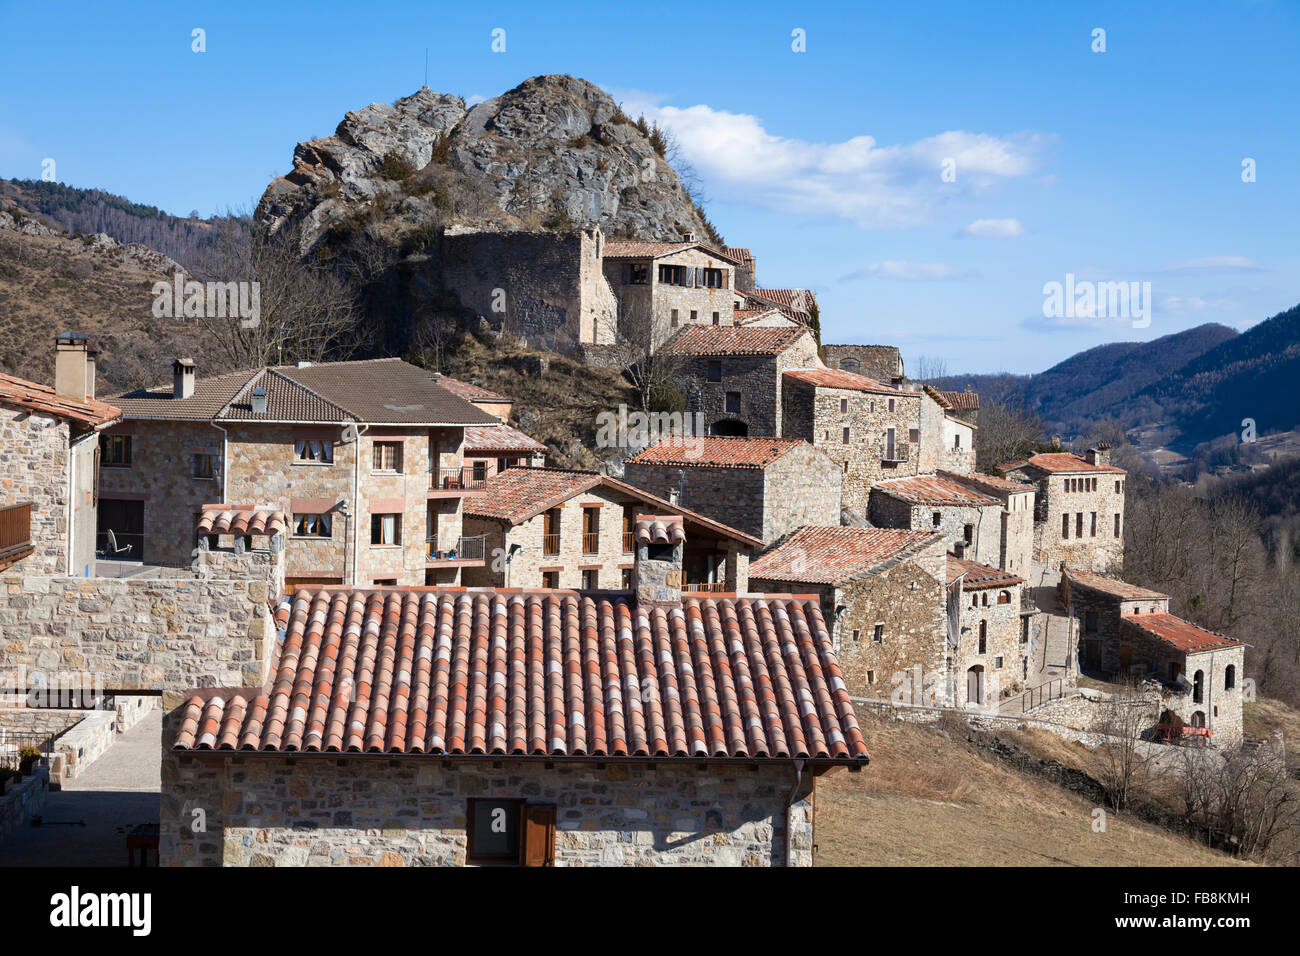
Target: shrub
396,168
581,141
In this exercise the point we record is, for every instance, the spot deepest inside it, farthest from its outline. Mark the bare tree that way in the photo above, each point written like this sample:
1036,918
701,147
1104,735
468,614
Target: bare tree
307,312
929,367
638,353
1244,801
1122,762
1008,432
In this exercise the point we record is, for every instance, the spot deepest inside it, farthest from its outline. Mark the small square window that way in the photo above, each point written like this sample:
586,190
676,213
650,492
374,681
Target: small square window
493,830
386,529
205,465
550,579
733,403
388,456
715,371
878,634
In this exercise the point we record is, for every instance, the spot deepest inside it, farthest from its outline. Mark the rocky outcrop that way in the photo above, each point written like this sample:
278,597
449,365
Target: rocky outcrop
554,153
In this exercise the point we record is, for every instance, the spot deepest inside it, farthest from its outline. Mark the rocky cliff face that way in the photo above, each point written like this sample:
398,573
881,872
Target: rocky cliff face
554,153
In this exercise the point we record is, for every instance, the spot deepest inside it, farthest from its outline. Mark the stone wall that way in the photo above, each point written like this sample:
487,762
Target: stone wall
881,362
356,811
34,468
24,801
655,300
1100,550
138,634
1003,658
887,511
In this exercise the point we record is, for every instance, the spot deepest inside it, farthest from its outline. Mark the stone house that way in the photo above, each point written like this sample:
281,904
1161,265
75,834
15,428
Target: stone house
872,431
746,267
883,592
48,449
502,747
798,305
489,449
733,376
366,458
1016,519
669,286
1078,510
765,487
970,520
1127,631
964,404
990,645
553,528
881,362
949,441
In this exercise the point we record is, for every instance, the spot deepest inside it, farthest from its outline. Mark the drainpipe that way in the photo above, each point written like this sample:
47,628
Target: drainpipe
356,503
789,803
225,459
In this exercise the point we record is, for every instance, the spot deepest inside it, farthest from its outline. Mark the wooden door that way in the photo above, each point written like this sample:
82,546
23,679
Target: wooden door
538,847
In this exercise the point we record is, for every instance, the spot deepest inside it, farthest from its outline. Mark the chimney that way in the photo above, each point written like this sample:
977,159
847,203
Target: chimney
74,366
1099,454
660,540
959,549
259,401
689,237
182,378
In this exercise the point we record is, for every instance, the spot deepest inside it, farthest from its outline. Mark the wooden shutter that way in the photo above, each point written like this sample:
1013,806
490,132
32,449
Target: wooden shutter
699,277
627,274
538,844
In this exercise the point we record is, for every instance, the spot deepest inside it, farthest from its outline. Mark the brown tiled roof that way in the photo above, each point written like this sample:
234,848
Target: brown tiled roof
838,378
988,482
519,494
468,390
978,576
963,401
1112,586
20,393
657,529
829,555
715,452
933,490
488,438
623,249
1062,462
1182,635
732,340
552,673
377,391
799,300
230,519
739,253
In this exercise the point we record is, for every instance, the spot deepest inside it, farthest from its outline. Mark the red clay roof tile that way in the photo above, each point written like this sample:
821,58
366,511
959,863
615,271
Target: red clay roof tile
828,555
42,398
709,340
715,452
838,378
933,490
1062,462
1179,634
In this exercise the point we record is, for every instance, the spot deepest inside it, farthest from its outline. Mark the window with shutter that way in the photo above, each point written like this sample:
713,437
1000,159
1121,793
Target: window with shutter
699,276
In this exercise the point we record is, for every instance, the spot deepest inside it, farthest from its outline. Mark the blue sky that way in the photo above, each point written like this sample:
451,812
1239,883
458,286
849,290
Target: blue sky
1117,166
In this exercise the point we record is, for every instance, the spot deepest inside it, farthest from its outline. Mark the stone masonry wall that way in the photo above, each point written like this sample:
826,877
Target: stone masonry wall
881,362
1100,552
34,467
308,811
1002,641
661,298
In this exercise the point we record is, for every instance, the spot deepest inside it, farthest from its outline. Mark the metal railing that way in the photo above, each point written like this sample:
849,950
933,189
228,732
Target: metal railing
898,452
12,744
1037,696
15,528
466,549
550,544
590,542
457,479
114,545
715,587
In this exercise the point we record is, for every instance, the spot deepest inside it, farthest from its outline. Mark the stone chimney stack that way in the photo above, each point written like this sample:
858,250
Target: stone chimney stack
1099,455
74,366
258,400
660,541
183,372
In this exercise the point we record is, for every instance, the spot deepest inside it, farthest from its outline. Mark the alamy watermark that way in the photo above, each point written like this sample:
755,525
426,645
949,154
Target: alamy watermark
184,298
624,429
1085,299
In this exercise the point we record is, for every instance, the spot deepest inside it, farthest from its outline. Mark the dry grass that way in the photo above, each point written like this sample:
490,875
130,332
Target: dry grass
929,798
1264,717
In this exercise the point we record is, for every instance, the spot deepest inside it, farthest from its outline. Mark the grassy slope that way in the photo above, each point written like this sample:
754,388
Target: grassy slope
929,798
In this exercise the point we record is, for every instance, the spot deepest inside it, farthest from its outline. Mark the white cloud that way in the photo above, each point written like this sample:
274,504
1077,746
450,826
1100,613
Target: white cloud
856,179
908,271
1216,264
992,229
1190,304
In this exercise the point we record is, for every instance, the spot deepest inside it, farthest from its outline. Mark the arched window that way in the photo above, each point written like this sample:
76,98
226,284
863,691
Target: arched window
986,598
1198,687
1230,677
1198,719
1004,597
975,685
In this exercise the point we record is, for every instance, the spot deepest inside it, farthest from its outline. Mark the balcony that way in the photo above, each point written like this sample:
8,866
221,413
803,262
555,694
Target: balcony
629,542
550,544
897,452
466,553
717,587
15,533
590,542
453,482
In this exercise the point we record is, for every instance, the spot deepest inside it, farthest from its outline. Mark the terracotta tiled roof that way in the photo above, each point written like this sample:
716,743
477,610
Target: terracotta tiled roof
555,673
20,393
979,576
838,378
732,340
228,519
988,482
1062,462
800,300
1182,635
829,555
963,401
378,391
716,452
519,494
623,249
933,490
1112,586
739,253
657,529
468,390
491,438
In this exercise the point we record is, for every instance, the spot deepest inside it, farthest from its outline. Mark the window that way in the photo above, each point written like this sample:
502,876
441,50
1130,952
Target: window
479,471
935,519
1004,597
205,465
997,663
388,456
1230,677
844,406
733,403
1198,687
956,442
589,578
878,634
1093,525
312,526
551,532
984,598
891,404
629,528
676,320
550,579
844,438
713,279
590,532
716,320
974,600
871,677
314,450
636,273
1090,622
494,827
673,275
695,316
1117,487
914,436
984,636
386,530
627,579
1117,526
115,451
715,371
857,635
1078,525
968,533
